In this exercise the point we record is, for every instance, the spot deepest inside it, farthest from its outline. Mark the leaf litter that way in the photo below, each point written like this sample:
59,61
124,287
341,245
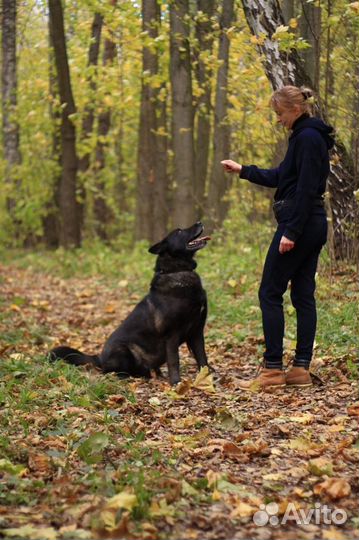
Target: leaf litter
85,455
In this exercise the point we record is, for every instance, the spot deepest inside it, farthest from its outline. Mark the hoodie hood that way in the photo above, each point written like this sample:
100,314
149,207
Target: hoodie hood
326,131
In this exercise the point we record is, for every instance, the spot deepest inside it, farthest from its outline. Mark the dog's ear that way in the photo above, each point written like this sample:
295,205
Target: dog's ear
158,248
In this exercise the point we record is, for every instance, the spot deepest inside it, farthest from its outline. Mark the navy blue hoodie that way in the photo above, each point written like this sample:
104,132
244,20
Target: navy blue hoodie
302,174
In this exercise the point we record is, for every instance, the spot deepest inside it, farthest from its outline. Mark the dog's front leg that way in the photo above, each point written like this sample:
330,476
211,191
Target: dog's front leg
173,361
196,346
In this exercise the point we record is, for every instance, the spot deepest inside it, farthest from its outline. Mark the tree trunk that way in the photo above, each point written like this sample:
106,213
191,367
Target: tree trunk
329,72
101,210
218,185
310,30
160,195
51,222
70,231
288,10
89,112
146,156
184,213
204,34
9,101
263,17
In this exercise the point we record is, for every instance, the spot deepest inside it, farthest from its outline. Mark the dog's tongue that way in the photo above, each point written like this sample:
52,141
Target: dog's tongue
203,238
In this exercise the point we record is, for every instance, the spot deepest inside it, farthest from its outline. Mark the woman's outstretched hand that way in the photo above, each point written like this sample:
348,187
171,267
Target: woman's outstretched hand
285,245
231,166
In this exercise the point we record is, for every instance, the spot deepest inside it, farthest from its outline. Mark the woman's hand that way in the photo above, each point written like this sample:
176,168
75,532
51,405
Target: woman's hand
231,166
285,245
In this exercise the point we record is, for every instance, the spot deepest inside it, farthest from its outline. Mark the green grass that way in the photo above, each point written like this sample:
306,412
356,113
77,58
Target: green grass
230,270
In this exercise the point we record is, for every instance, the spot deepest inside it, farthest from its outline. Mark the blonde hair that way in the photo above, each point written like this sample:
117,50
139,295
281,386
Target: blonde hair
289,96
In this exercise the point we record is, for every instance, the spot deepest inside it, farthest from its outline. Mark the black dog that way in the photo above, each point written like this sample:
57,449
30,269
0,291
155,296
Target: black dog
172,313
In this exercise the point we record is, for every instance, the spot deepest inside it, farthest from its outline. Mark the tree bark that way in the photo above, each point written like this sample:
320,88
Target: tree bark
70,231
310,30
160,195
204,72
101,209
51,220
146,156
184,213
89,112
263,17
10,127
218,185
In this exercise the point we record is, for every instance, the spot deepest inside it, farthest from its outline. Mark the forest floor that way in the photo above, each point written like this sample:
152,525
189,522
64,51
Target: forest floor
83,455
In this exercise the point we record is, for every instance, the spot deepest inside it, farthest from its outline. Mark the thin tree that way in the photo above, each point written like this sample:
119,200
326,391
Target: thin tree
161,185
184,212
10,126
263,18
70,233
89,112
204,73
218,185
310,30
101,209
150,197
51,219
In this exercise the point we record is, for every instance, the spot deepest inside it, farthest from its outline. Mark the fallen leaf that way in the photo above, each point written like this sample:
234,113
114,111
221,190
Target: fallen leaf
204,381
320,466
353,410
335,488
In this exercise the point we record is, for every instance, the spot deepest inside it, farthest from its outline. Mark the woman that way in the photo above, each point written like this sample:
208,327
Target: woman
302,230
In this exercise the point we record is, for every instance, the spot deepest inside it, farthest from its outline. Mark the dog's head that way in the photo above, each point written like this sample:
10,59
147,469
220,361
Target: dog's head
183,242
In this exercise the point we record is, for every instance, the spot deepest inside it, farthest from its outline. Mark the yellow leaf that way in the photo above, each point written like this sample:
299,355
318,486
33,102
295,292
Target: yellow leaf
243,510
257,40
354,6
320,466
216,495
31,533
213,477
232,283
122,500
204,381
306,418
293,23
333,534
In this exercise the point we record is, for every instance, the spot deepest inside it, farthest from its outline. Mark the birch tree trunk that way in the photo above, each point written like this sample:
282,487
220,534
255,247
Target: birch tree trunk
263,17
218,184
10,126
70,231
184,213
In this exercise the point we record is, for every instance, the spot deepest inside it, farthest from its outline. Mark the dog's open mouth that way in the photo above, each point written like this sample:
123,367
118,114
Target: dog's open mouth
198,243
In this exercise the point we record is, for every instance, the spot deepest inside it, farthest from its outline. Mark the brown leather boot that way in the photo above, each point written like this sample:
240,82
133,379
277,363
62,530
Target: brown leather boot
266,379
298,376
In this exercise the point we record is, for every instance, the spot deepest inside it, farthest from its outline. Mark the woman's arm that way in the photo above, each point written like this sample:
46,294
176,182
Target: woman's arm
262,177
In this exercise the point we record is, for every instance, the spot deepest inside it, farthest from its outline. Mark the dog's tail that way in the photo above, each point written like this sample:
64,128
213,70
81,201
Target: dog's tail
73,356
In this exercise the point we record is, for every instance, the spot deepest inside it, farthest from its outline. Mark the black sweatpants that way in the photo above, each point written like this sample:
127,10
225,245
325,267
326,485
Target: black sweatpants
298,266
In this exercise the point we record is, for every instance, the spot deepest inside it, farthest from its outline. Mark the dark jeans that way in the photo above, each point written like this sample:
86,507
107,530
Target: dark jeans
299,267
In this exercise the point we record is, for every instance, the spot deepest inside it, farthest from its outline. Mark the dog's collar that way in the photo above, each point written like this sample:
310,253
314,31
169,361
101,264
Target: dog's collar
162,272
